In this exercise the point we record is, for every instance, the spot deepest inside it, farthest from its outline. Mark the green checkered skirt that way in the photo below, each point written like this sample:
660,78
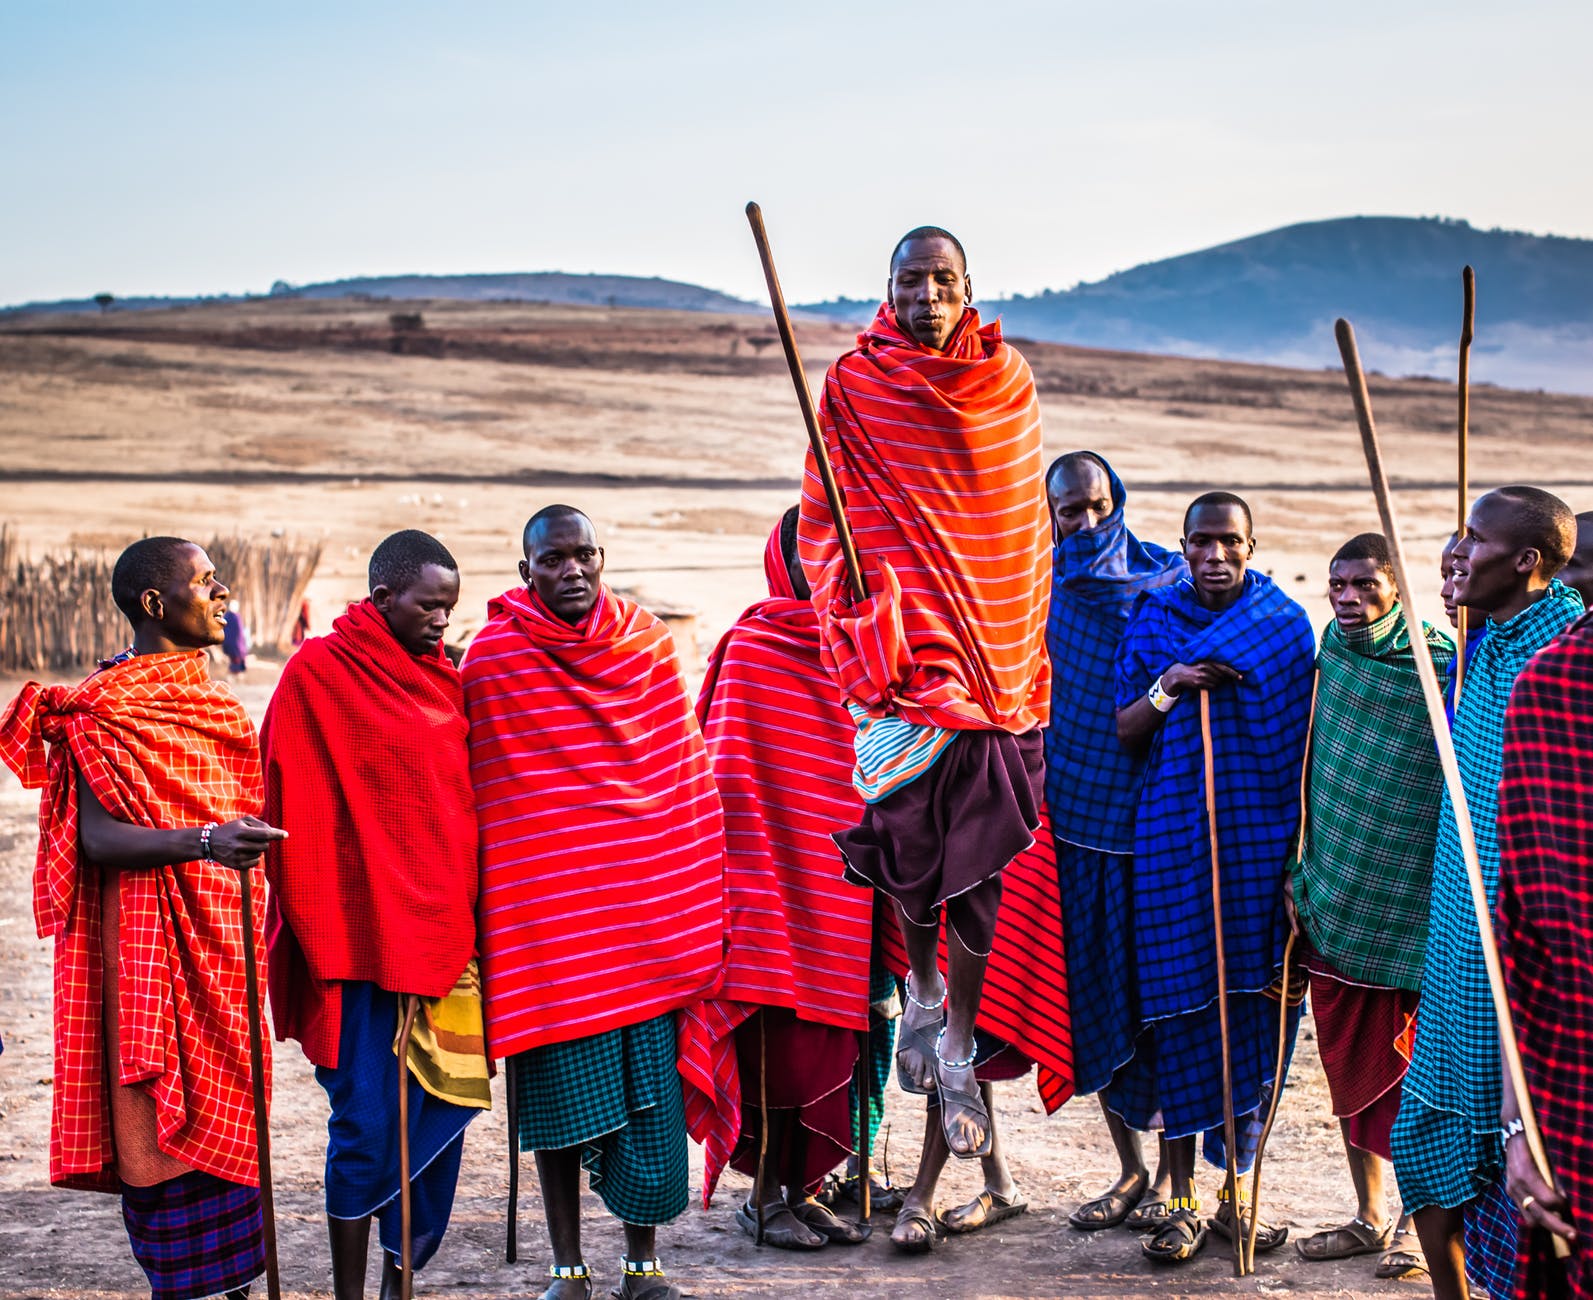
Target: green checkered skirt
1366,859
616,1096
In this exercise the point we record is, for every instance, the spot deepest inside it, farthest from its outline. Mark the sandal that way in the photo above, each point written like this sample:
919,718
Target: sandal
1148,1215
984,1211
1268,1236
569,1273
1403,1260
829,1225
921,1039
1112,1208
883,1198
968,1101
781,1238
911,1215
1181,1237
632,1269
1357,1237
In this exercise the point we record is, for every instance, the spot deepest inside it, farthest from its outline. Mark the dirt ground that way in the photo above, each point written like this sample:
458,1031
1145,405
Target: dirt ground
679,435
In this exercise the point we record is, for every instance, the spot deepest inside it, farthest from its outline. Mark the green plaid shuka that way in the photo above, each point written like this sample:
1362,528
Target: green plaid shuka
1366,857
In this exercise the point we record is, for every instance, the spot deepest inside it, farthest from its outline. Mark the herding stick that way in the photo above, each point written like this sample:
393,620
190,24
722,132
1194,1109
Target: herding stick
1229,1128
1446,757
512,1098
1468,329
262,1118
406,1280
758,1183
865,1149
782,321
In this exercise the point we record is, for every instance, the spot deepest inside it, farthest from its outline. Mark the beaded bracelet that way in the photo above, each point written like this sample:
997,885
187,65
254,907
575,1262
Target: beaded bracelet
204,842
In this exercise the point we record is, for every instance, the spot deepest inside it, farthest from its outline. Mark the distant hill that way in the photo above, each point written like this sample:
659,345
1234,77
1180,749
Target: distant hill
532,286
1273,298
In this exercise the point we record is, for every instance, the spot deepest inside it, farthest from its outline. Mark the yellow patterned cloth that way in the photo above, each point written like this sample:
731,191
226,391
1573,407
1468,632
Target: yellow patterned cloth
447,1046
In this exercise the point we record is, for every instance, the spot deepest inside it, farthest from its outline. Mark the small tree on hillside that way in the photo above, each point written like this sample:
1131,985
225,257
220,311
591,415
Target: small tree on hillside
105,300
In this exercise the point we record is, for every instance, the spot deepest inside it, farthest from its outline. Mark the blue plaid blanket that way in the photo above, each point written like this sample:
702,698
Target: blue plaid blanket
1258,730
1091,784
1446,1139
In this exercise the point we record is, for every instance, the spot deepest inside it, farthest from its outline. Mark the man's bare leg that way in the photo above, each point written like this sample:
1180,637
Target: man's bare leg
641,1242
1443,1237
926,998
559,1173
785,1133
998,1177
1366,1173
966,976
1133,1179
921,1195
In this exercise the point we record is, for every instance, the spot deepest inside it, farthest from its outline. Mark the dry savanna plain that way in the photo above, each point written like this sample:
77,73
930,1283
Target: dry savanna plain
679,434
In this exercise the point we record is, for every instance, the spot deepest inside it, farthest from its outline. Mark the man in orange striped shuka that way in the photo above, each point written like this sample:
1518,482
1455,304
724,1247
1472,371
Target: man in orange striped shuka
933,428
151,780
601,905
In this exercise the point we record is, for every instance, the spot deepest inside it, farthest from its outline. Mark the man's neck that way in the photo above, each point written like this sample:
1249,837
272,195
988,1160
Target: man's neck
1530,595
152,641
1217,601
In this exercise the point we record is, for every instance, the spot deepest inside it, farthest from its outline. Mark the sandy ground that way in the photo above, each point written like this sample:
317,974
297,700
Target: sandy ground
678,434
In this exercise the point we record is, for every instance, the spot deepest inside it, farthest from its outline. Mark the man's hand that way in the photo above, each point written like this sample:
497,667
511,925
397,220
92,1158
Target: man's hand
1540,1205
1207,675
1289,909
240,844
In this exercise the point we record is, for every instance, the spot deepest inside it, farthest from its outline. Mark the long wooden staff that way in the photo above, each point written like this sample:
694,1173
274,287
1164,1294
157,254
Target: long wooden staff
782,321
1283,1004
1229,1128
406,1278
1446,757
1468,329
511,1082
865,1149
262,1117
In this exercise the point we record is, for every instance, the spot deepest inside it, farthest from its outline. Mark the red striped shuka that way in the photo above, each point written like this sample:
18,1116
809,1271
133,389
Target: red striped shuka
799,936
602,840
939,463
159,745
1545,911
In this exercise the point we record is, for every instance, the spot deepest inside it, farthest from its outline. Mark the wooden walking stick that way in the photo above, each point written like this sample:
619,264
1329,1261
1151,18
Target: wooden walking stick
782,321
1447,759
761,1174
512,1099
1468,328
1229,1128
262,1117
865,1148
406,1281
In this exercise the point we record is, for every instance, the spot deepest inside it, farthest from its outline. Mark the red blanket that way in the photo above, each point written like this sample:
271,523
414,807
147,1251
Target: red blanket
161,746
1546,930
939,462
367,770
1025,1001
602,842
799,936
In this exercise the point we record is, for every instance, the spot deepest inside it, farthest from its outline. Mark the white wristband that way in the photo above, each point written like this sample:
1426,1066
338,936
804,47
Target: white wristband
1160,700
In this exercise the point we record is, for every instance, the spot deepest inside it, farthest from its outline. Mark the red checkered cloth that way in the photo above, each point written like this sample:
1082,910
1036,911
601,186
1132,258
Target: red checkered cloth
1025,998
937,455
1545,911
367,771
160,746
781,747
602,840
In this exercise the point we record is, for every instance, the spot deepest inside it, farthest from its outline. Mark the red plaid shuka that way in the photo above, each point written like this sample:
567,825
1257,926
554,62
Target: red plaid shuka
1545,913
367,771
602,841
1025,998
938,459
161,746
781,747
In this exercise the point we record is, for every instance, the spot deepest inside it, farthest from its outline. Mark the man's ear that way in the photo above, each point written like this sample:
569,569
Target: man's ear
967,290
525,572
1251,553
1529,560
382,597
149,601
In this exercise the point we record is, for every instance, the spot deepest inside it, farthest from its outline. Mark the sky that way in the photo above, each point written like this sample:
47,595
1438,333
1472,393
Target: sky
163,148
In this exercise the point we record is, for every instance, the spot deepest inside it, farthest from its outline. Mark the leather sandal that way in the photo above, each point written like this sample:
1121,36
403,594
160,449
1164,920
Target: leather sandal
1116,1205
985,1211
1357,1237
922,1219
968,1101
1181,1237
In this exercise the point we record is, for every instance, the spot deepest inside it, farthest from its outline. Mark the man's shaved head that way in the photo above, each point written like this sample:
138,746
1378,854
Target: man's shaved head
1367,546
400,559
927,232
1219,500
549,515
1072,465
1542,521
151,564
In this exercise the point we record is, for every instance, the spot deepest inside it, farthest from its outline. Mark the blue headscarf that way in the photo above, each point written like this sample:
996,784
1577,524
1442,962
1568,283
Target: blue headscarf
1091,784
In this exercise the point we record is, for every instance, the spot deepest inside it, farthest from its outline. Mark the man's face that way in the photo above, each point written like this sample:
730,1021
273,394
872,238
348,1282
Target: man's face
1446,571
1579,572
929,288
1080,496
191,610
564,565
1218,546
1361,592
418,615
1490,567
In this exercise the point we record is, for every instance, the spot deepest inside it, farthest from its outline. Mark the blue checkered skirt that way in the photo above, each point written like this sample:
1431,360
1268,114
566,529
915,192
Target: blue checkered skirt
197,1235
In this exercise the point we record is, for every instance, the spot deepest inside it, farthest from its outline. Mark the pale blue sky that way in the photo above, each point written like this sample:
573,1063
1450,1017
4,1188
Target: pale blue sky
200,148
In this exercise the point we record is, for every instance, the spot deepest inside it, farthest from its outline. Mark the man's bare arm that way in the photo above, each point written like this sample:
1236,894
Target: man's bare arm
1138,724
114,843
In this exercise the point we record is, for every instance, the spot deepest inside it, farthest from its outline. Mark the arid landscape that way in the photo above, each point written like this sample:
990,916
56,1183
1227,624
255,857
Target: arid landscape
678,433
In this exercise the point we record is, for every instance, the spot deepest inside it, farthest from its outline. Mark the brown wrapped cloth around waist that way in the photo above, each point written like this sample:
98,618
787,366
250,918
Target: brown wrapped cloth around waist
944,838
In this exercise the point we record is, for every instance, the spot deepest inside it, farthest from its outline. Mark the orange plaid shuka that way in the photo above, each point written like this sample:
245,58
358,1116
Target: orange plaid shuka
161,746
